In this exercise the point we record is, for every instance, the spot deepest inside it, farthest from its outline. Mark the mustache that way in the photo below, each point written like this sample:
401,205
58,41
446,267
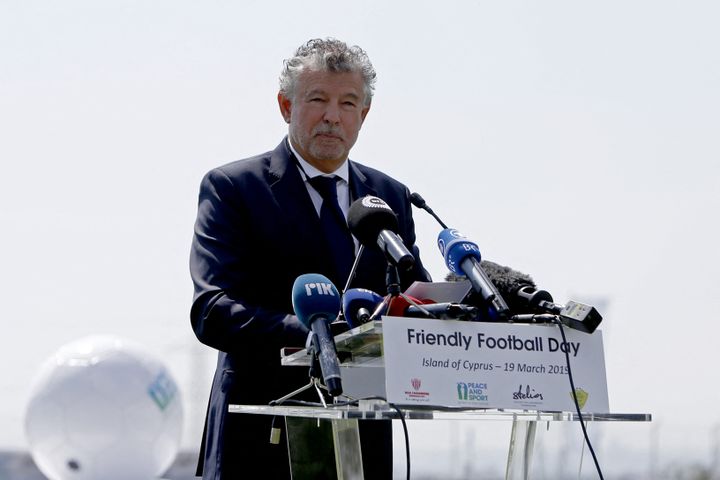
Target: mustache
328,130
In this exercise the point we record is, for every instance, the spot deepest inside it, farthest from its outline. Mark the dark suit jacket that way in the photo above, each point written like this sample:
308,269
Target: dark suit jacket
256,232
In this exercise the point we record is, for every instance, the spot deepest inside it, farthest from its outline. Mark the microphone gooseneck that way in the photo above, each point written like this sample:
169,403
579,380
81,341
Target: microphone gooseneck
419,202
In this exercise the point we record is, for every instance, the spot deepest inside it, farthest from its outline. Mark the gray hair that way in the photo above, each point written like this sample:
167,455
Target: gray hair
328,55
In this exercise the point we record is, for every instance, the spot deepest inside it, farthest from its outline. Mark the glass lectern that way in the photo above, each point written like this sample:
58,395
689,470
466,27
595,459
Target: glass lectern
360,352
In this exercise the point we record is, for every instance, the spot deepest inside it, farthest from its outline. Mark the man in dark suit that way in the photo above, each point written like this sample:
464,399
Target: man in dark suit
258,228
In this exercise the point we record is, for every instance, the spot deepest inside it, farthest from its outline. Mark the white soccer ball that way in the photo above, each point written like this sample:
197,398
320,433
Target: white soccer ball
102,408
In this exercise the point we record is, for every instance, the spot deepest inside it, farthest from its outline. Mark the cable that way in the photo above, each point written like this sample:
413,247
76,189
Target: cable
405,432
407,438
575,400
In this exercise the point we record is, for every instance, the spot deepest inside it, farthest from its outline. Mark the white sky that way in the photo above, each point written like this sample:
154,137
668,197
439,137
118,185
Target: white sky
575,141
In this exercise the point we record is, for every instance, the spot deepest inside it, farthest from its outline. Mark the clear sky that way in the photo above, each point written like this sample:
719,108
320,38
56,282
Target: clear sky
574,141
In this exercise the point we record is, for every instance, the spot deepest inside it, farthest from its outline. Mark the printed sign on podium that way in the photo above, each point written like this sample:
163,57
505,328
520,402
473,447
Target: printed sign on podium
453,363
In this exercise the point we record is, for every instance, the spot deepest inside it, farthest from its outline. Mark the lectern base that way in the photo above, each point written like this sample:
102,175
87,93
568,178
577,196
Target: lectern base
522,442
348,462
313,442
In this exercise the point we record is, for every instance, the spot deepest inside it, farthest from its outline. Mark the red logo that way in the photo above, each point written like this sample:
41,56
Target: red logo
416,395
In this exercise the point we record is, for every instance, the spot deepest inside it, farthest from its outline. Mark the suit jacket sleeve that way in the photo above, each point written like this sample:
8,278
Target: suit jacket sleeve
229,280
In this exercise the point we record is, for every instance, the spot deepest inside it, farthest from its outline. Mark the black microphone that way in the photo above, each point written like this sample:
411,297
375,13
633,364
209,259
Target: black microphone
373,222
316,302
442,311
408,306
522,292
419,202
509,282
577,315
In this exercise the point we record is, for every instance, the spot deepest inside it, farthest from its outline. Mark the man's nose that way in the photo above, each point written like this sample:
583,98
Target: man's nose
332,113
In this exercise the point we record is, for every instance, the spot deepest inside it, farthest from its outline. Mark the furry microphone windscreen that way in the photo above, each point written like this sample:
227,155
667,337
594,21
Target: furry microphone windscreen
506,280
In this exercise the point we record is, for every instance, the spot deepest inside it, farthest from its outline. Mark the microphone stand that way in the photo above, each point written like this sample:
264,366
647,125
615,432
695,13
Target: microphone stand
351,276
393,288
392,280
315,381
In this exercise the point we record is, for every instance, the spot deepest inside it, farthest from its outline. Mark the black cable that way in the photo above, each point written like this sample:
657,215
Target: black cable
577,405
405,431
407,438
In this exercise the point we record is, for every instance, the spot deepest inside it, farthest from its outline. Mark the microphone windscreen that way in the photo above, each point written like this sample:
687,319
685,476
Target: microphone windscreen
417,200
505,279
368,216
356,298
314,295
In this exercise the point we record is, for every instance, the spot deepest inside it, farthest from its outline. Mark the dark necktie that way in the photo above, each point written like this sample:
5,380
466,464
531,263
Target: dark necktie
342,247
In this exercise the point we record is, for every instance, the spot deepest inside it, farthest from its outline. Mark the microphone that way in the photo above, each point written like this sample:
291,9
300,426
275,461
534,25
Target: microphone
358,305
517,287
509,282
577,315
316,302
419,202
408,306
373,222
443,311
398,305
521,290
463,256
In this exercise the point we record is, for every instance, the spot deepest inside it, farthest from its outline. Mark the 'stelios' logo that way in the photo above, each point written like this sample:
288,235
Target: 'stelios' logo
527,393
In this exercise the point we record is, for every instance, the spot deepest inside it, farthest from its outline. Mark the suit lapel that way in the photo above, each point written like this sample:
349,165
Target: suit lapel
358,183
304,236
288,187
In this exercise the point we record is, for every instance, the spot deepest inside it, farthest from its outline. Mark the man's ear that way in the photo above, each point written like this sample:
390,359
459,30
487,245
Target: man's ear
364,113
285,106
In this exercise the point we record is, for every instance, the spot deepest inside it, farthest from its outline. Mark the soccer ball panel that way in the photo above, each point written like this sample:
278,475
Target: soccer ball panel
103,407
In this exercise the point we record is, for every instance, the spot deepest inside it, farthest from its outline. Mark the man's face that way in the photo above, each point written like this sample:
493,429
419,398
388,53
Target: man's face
325,116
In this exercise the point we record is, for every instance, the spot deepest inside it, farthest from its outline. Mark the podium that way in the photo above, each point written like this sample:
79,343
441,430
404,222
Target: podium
363,371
